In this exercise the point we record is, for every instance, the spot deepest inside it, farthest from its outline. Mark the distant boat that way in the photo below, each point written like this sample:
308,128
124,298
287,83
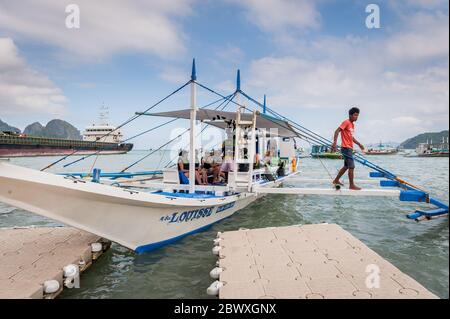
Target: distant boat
428,149
382,149
322,151
301,153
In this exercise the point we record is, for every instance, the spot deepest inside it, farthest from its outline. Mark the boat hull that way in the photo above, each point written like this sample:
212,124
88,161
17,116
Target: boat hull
18,146
381,153
434,155
328,155
138,220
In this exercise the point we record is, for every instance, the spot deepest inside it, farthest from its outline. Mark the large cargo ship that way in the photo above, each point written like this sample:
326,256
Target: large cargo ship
104,139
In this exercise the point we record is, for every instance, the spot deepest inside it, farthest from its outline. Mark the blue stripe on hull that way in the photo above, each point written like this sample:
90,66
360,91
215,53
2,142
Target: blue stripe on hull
149,247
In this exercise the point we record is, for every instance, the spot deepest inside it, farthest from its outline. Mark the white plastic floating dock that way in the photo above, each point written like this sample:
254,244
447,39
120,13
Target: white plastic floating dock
309,261
39,262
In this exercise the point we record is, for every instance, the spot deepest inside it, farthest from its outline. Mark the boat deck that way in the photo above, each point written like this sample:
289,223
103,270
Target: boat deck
308,261
31,256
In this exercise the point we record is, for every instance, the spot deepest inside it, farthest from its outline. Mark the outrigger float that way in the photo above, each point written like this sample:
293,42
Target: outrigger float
142,212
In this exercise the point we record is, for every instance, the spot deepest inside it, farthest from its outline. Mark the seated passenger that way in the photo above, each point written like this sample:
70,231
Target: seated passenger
185,172
213,168
204,170
267,158
257,164
227,167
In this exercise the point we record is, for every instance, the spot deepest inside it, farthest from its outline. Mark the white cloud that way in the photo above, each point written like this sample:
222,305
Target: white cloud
174,75
281,15
399,97
406,120
296,81
399,80
424,4
427,38
230,54
24,90
106,27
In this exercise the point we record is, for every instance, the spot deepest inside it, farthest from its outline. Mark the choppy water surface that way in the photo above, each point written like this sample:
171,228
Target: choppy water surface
181,270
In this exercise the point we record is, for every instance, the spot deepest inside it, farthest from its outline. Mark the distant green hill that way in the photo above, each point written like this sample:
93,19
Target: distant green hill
413,142
54,128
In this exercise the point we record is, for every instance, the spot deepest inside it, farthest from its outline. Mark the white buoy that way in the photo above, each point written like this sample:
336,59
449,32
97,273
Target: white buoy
96,247
70,270
216,250
214,288
218,234
215,273
72,276
217,241
51,286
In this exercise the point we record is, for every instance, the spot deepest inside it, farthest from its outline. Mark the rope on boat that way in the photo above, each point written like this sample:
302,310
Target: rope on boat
153,152
131,119
325,142
128,139
226,99
187,130
307,133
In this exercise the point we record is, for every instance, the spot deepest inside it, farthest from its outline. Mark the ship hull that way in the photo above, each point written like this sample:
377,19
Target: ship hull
46,151
13,146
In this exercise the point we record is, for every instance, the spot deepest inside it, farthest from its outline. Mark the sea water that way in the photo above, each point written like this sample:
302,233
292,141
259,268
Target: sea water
181,270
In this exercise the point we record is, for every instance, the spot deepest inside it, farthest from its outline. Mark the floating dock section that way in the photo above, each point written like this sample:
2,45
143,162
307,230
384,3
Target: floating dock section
38,262
308,262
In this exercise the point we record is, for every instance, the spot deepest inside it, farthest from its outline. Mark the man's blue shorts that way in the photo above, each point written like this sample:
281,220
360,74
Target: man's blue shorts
349,162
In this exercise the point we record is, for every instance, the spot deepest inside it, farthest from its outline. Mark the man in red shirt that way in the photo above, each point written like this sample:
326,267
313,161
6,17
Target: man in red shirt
347,129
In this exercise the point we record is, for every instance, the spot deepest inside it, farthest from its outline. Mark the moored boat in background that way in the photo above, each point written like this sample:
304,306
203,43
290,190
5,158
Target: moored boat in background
382,149
321,151
428,149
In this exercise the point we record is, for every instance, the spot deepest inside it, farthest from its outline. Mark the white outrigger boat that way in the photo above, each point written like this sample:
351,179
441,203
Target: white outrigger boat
142,214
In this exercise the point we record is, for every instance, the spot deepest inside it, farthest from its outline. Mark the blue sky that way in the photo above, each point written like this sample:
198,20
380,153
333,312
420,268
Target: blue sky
314,59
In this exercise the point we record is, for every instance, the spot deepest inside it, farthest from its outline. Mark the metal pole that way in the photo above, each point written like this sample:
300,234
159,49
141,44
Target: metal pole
237,139
252,152
192,144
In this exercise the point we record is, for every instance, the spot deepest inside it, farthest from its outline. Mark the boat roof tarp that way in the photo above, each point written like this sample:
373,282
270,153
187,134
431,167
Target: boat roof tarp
223,119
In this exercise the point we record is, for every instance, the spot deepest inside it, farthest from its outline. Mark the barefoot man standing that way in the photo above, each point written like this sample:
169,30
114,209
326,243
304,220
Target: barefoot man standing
347,129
